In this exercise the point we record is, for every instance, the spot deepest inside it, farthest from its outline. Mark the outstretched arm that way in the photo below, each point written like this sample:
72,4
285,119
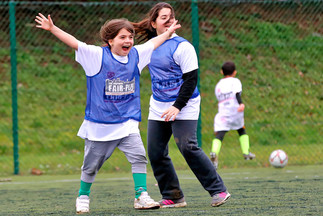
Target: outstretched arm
47,24
160,39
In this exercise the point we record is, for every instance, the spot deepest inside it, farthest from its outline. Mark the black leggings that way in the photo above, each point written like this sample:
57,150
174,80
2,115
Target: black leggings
220,134
184,132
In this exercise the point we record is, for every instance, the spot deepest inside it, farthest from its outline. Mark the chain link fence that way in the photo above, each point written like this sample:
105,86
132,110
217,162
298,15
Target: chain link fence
276,45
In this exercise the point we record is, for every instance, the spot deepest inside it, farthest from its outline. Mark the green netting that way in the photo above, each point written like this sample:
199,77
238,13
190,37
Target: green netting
276,45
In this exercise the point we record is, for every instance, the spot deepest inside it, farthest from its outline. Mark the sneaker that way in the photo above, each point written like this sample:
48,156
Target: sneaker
167,203
214,159
249,156
220,198
145,202
82,204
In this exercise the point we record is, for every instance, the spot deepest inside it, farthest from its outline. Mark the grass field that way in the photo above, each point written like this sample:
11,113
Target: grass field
293,190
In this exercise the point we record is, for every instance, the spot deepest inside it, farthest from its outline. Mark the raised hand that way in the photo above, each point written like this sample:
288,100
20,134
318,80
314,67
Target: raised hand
173,27
47,24
44,23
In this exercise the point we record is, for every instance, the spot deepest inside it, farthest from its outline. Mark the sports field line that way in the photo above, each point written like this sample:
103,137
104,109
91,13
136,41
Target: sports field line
184,175
242,175
62,180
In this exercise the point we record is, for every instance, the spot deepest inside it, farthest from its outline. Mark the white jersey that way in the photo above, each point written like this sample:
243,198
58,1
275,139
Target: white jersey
228,117
90,57
185,56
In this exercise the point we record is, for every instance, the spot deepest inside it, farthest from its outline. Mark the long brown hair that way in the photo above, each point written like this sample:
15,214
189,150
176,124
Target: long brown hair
110,29
144,30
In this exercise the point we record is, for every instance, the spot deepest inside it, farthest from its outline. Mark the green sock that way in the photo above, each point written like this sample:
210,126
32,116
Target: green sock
85,188
244,143
216,146
140,183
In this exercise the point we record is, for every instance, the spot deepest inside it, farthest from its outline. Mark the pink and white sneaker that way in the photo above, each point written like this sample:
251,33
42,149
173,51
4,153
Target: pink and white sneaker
220,198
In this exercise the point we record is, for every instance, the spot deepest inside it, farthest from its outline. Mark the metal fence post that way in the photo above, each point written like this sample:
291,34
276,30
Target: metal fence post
13,61
196,39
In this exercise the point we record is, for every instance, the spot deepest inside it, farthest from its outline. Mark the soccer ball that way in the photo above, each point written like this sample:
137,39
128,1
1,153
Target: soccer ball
278,158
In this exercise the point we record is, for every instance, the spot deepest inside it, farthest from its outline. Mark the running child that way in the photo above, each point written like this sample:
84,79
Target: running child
230,114
112,112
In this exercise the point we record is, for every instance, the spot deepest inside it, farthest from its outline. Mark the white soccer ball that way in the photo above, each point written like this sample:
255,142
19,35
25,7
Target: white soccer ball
278,158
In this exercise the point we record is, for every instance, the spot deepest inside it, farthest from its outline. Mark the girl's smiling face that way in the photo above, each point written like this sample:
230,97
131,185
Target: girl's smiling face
122,43
163,21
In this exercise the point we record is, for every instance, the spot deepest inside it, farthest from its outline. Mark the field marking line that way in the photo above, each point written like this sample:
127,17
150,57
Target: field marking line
130,178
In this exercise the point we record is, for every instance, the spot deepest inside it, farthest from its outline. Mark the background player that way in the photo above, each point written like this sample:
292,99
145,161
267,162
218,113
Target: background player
230,114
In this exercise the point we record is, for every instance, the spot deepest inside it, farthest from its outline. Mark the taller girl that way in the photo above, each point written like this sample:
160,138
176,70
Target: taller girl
174,109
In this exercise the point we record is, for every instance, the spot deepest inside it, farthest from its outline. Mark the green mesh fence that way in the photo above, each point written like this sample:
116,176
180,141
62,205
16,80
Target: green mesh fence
276,45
